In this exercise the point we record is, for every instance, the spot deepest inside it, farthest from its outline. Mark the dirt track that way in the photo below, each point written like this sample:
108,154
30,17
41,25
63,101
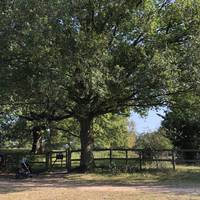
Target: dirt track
59,187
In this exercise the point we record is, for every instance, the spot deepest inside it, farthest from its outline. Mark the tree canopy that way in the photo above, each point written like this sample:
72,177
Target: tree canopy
82,59
182,122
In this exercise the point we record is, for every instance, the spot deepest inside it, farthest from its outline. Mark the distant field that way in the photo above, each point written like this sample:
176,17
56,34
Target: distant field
184,184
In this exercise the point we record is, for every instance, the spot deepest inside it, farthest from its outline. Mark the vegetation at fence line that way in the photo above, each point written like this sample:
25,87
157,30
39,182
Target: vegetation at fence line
110,160
118,160
184,176
79,60
151,142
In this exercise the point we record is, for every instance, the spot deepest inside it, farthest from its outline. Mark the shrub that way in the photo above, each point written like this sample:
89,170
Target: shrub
153,141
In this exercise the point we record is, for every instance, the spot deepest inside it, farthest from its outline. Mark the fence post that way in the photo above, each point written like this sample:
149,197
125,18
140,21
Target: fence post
126,157
140,157
110,156
50,160
173,160
5,162
68,159
47,160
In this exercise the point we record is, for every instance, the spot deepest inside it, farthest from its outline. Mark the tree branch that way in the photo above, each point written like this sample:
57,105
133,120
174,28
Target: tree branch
67,131
44,116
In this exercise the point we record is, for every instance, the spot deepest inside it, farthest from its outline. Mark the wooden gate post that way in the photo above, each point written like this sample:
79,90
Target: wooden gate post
50,160
68,159
110,156
47,160
126,157
173,160
5,162
140,158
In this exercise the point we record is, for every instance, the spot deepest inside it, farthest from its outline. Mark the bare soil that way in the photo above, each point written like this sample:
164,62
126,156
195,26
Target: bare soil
84,187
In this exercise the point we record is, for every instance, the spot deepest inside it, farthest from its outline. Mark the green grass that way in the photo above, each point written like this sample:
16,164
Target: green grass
184,176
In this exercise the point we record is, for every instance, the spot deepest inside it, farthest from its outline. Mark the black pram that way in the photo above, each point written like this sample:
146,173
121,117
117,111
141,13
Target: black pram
24,171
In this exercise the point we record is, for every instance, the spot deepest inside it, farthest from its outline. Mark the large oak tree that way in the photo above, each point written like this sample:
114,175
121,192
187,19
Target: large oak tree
85,58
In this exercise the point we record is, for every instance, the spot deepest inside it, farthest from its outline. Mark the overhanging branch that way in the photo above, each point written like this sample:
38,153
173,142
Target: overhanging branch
44,116
153,101
66,131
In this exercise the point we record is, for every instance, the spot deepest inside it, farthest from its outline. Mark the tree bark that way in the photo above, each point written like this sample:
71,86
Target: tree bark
36,132
87,145
36,137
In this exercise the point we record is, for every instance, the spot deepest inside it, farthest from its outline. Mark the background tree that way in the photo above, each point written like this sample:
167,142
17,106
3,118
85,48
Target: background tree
14,133
182,123
83,59
109,131
112,131
153,141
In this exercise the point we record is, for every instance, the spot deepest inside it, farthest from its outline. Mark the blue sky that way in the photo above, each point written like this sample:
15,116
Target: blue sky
150,123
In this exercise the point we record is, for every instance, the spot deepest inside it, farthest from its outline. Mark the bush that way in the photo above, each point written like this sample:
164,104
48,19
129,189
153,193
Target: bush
150,142
153,141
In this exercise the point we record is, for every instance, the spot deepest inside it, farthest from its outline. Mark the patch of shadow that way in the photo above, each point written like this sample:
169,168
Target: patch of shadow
179,183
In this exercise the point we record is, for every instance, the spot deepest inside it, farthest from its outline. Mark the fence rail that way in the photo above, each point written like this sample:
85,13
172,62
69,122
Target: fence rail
102,157
123,154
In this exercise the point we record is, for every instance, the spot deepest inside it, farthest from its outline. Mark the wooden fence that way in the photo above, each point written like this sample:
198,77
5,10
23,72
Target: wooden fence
103,158
38,162
126,157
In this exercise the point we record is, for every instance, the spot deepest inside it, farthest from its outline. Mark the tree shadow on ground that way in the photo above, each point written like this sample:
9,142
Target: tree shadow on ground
175,183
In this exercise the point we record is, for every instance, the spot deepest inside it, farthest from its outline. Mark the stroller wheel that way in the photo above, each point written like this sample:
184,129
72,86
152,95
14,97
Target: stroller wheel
20,175
17,176
30,176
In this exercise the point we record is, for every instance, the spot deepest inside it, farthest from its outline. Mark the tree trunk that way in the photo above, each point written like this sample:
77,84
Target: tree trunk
87,145
36,131
36,137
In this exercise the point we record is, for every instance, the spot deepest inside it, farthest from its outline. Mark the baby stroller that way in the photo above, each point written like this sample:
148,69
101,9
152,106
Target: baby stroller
24,171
